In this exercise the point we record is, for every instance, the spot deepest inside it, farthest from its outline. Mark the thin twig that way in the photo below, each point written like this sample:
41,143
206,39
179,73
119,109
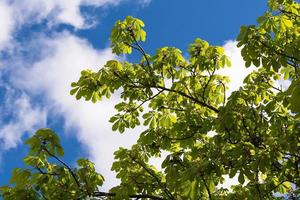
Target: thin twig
64,164
182,138
146,100
181,93
46,173
207,188
164,188
207,83
190,97
109,194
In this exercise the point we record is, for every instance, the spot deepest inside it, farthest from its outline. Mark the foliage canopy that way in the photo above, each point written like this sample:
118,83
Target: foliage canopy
256,130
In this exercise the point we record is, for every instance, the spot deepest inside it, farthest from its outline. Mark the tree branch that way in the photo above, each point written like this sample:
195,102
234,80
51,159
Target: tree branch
109,194
46,173
141,50
164,188
229,137
281,53
181,93
182,138
64,164
206,187
146,100
209,80
189,97
288,13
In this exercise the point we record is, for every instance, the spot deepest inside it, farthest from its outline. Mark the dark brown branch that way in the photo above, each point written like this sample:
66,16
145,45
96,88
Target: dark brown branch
181,93
189,97
132,46
109,194
245,127
64,164
139,47
149,99
141,50
229,137
44,197
46,173
206,187
254,139
186,87
288,13
163,187
281,53
172,90
276,186
273,87
182,138
209,80
122,79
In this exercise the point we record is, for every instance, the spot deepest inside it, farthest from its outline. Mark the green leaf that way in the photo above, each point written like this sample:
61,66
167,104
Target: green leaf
193,192
211,186
241,178
232,172
115,126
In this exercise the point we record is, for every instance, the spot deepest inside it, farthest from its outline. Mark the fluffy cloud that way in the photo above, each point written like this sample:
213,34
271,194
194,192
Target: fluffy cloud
6,23
18,117
55,11
144,2
51,78
60,60
63,57
237,72
14,14
61,64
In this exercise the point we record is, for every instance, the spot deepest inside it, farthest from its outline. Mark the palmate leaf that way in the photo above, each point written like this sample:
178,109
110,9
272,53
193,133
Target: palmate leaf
189,121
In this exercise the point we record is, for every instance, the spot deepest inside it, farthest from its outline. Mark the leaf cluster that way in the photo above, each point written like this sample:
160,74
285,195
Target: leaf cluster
200,135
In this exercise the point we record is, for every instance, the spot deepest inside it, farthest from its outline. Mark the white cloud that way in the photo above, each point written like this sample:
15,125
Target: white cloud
63,57
23,117
15,13
6,24
55,11
52,76
229,182
283,84
144,3
237,72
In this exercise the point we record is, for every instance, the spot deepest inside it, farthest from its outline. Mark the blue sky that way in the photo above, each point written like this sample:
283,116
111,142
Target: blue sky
45,44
